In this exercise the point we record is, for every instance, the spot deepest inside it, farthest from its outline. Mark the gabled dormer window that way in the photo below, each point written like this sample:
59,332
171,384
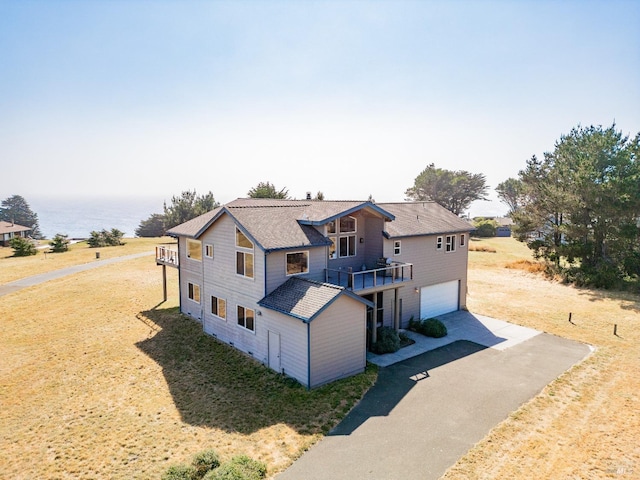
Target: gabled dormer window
244,255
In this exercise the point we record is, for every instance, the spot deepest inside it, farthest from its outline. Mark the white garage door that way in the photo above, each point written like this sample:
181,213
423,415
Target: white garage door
439,299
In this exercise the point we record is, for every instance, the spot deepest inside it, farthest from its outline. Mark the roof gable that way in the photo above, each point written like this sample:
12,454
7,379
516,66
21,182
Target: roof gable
305,299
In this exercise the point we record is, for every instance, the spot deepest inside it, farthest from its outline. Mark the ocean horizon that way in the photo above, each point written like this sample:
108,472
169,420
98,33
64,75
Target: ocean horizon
77,217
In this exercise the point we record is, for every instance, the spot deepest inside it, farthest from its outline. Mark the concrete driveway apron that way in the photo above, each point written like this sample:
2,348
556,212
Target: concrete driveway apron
428,410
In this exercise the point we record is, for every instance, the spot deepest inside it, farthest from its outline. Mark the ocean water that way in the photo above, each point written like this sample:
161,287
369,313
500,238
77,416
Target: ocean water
77,217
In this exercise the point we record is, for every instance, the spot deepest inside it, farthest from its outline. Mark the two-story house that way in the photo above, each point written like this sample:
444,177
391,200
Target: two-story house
301,285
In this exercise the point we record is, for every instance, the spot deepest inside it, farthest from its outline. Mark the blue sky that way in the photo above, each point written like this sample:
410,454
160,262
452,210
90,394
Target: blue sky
351,98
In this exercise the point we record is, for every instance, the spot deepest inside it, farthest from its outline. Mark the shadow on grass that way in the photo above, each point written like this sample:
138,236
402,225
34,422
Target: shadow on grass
628,298
214,385
395,381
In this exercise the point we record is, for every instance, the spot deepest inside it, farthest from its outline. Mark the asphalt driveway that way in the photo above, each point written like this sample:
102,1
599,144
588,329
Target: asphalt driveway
427,411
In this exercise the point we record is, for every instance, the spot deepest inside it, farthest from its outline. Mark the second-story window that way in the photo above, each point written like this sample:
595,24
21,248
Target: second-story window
451,243
244,255
208,251
396,247
194,249
342,244
297,262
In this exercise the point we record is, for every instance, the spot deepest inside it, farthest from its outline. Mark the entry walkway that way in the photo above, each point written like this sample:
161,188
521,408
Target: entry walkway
432,403
461,325
62,272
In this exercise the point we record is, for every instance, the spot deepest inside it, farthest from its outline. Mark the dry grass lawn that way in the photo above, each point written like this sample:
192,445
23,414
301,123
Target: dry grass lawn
584,425
99,380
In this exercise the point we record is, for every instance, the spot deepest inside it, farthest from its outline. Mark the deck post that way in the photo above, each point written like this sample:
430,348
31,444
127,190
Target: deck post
164,281
374,321
396,310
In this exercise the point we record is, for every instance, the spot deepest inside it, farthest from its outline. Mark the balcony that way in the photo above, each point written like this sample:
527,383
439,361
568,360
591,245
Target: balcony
166,256
371,280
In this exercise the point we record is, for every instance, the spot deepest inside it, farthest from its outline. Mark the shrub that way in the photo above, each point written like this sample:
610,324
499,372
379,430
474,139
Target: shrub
60,243
485,227
239,468
388,341
432,327
204,461
179,472
22,247
105,238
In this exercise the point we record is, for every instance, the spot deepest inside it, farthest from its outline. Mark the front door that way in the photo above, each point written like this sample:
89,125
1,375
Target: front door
274,351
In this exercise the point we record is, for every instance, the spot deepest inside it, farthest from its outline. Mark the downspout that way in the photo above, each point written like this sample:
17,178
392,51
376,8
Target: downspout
308,356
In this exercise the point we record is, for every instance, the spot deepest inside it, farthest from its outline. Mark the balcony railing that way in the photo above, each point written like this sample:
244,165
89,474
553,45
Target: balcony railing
395,272
166,256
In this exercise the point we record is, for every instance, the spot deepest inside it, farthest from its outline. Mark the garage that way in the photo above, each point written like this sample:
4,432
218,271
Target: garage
439,299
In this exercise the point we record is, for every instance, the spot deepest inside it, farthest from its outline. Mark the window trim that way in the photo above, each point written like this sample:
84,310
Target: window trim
218,300
439,243
244,251
244,318
450,244
193,290
194,243
286,263
397,247
208,250
355,224
462,240
348,244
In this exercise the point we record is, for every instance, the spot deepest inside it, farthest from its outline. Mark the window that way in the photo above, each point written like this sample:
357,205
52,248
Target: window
245,318
194,249
342,245
297,262
219,307
244,264
332,248
208,251
242,240
462,240
439,243
396,247
244,255
347,246
347,225
451,243
194,292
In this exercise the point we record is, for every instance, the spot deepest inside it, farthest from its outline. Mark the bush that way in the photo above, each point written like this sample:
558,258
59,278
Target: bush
239,468
105,238
205,461
485,227
60,243
22,247
179,472
432,327
388,341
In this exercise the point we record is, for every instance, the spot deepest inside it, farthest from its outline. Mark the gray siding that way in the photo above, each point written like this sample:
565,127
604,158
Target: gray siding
293,343
431,266
276,266
338,341
190,272
221,280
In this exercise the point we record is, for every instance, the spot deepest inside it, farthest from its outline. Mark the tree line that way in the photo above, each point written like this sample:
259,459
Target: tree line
577,208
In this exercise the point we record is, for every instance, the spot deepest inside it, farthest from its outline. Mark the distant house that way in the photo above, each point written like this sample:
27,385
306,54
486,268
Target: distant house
302,285
9,230
504,226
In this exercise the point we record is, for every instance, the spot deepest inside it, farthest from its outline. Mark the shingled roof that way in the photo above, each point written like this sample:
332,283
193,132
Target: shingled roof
305,299
278,224
8,227
422,218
